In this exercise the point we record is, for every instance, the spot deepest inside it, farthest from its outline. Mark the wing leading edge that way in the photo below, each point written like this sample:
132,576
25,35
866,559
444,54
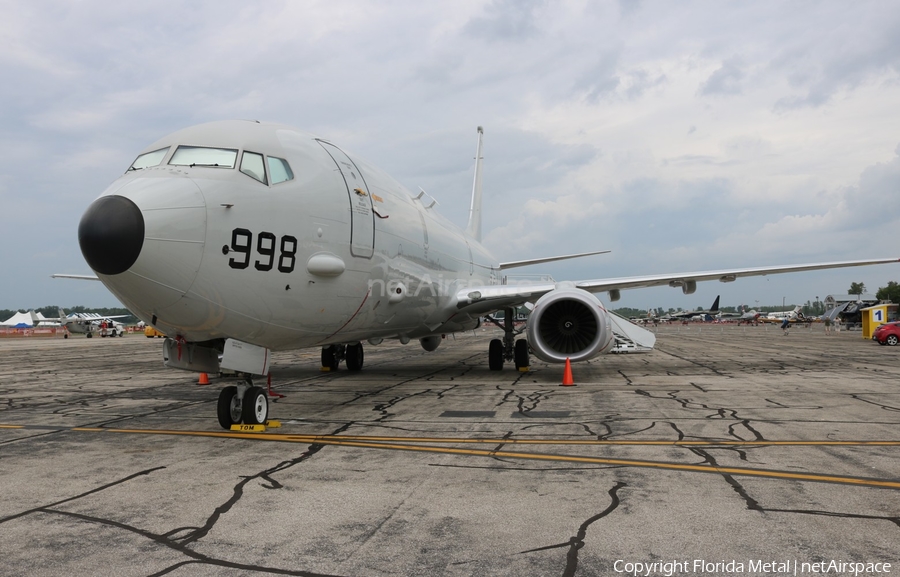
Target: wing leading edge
728,275
489,298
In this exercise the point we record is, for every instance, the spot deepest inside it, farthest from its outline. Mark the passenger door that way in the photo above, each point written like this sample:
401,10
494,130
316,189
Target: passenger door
362,217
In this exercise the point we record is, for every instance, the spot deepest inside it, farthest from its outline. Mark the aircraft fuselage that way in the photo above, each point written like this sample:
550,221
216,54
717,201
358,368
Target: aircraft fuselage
337,253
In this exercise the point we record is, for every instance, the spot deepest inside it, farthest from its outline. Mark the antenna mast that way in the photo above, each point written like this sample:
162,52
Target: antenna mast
474,227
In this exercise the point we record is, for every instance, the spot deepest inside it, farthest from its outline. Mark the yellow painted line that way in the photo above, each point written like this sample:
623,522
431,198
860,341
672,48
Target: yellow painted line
601,442
293,438
885,484
369,443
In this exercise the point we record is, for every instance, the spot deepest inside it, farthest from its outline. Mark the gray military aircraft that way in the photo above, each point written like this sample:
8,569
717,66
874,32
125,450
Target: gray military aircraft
745,316
707,315
240,237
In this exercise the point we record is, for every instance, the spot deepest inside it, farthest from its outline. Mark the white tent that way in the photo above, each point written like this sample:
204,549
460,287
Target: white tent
21,320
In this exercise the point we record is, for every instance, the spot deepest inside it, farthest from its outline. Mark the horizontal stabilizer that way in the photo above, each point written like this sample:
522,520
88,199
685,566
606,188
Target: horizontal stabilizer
75,276
518,263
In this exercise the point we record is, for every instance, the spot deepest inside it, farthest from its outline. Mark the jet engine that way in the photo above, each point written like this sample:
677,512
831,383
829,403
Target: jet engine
568,323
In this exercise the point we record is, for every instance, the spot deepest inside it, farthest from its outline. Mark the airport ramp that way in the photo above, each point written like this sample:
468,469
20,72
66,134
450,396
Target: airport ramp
630,338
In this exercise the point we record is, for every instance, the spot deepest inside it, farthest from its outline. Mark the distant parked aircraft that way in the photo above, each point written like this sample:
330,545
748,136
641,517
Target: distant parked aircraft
745,316
777,317
707,315
84,323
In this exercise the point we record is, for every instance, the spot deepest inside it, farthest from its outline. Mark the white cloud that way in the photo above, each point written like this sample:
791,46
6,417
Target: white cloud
681,135
725,80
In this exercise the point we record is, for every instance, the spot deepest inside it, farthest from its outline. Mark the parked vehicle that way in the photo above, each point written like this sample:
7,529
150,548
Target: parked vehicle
888,334
110,328
150,332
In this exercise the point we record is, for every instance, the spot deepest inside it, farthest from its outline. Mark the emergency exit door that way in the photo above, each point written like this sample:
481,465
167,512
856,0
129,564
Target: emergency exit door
362,217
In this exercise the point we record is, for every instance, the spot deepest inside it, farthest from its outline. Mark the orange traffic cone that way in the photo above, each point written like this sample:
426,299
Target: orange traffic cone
204,379
568,381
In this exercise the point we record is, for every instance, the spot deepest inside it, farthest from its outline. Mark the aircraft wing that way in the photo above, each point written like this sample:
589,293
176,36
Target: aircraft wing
728,275
480,300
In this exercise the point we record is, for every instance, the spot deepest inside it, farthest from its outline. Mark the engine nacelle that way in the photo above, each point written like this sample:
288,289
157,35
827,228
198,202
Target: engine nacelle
568,323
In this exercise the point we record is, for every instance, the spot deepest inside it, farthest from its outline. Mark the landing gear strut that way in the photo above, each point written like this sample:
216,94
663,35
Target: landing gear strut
508,349
244,402
332,355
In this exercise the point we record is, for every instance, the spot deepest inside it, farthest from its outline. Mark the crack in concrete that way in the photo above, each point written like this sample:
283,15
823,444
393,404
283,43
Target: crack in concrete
576,542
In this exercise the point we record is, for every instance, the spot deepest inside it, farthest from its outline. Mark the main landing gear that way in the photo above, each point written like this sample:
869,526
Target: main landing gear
332,355
508,349
242,403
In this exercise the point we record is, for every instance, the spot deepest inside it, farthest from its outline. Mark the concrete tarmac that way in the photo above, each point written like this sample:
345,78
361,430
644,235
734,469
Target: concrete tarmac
724,445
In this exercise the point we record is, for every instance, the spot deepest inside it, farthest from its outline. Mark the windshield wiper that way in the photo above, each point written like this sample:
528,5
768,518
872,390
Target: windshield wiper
193,164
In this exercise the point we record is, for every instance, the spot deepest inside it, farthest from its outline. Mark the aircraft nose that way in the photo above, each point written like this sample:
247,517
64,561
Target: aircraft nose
111,234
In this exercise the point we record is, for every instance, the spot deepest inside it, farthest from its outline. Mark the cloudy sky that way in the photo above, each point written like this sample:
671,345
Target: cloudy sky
683,136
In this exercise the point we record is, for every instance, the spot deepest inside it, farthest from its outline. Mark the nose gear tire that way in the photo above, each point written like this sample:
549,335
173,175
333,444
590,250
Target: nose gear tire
255,408
228,409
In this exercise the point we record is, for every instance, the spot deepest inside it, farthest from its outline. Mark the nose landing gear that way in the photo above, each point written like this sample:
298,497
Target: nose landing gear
244,402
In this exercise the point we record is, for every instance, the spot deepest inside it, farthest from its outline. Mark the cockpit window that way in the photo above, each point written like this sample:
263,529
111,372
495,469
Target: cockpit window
203,156
149,159
252,165
279,170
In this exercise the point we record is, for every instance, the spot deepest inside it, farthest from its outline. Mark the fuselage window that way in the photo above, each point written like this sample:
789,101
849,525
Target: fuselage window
203,156
252,166
149,159
279,170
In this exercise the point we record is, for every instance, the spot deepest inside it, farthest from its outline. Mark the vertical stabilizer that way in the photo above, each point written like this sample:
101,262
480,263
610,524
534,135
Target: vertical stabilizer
474,227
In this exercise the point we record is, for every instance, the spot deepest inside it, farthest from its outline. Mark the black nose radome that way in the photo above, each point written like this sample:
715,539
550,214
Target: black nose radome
111,234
